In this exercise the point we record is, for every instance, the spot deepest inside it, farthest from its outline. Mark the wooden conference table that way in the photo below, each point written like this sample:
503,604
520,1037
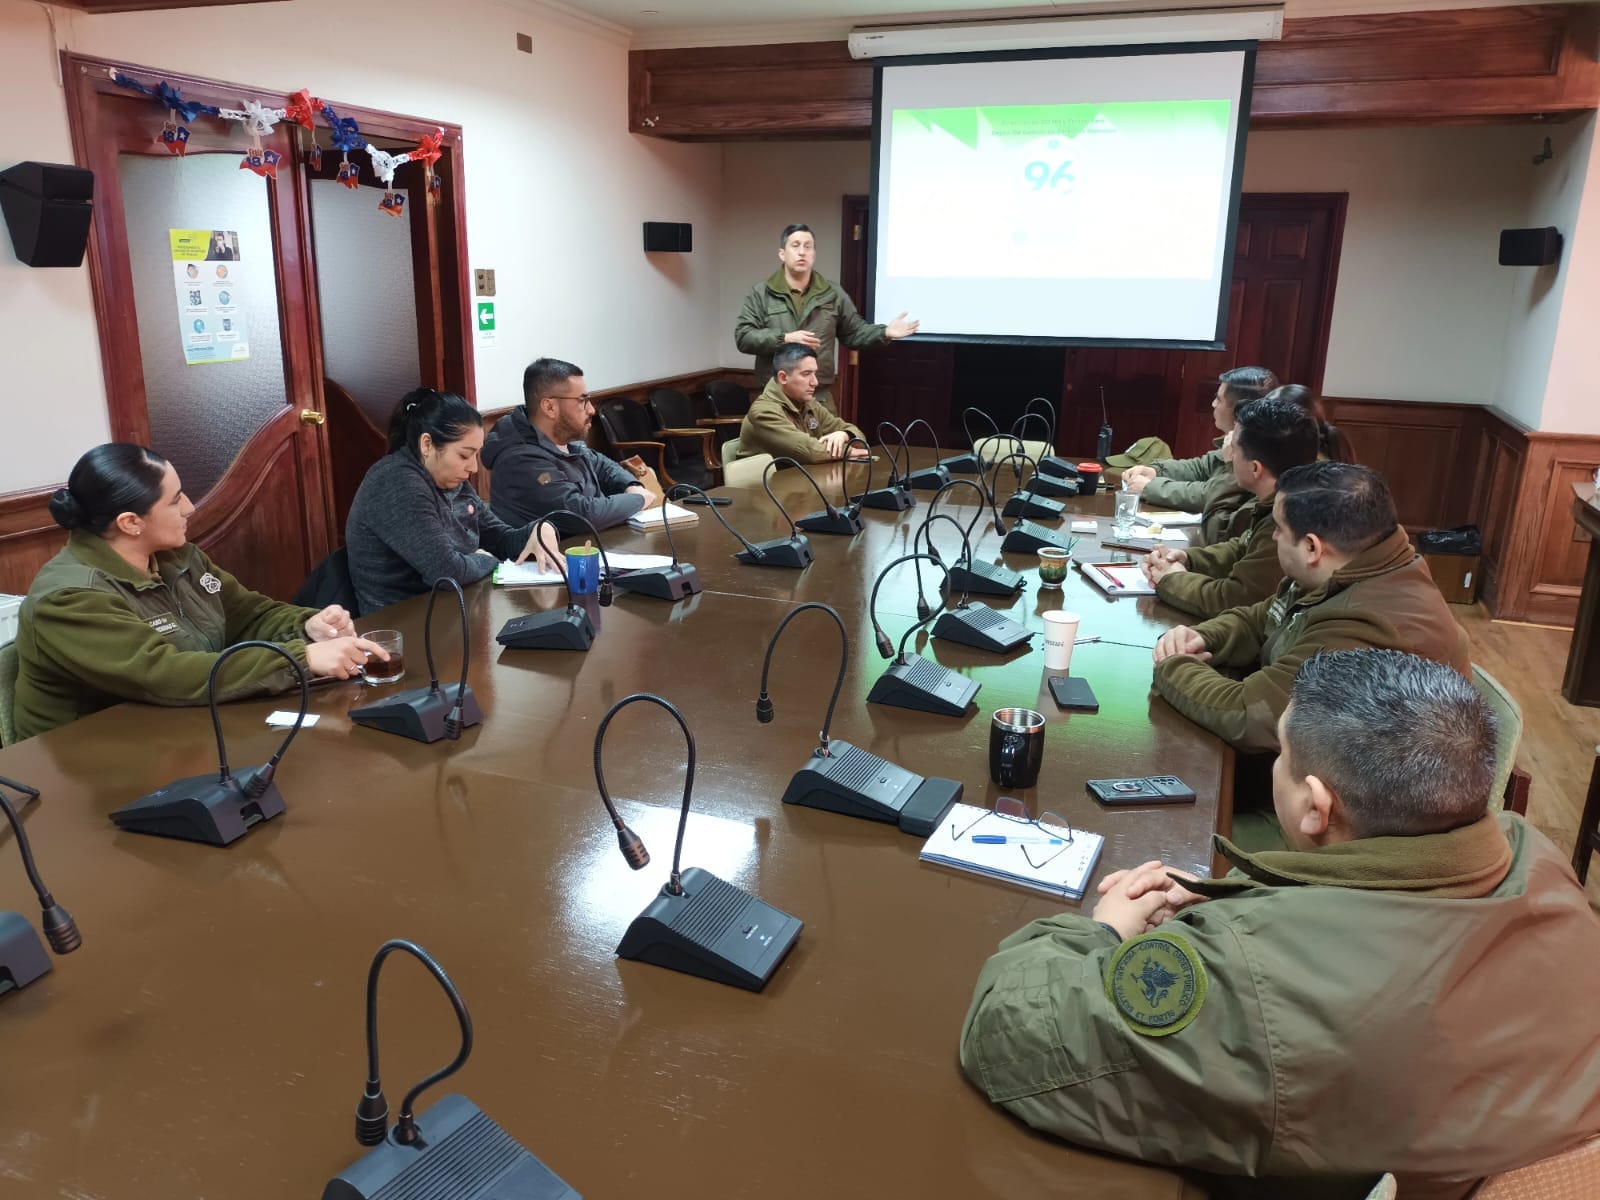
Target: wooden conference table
207,1039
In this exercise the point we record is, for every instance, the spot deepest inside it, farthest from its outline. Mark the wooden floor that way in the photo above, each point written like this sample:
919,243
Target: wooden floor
1558,739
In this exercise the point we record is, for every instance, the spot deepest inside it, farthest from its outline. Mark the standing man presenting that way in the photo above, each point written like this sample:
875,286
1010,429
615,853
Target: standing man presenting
798,305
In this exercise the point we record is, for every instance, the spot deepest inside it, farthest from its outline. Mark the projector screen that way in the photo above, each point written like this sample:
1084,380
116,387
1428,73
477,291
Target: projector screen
1060,197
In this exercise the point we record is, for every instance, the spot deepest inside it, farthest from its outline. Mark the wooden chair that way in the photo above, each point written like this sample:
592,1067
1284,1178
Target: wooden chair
1572,1175
1588,826
8,694
628,427
746,470
727,399
677,427
705,414
1510,781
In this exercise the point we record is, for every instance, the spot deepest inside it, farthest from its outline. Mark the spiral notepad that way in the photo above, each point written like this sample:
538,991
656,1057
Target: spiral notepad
1065,874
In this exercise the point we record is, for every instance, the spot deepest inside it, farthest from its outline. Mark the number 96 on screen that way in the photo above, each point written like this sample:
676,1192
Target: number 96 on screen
1048,175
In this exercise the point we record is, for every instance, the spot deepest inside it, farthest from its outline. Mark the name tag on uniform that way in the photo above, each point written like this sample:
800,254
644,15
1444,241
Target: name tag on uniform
164,624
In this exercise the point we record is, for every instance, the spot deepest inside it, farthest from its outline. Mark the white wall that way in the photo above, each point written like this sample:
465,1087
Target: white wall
767,185
1570,201
557,187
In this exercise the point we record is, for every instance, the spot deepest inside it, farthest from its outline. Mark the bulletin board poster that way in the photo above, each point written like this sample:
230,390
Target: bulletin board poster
206,269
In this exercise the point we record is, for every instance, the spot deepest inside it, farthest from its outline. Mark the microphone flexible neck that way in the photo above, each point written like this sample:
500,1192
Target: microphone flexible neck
674,884
966,425
690,489
844,483
1053,421
926,532
766,486
1022,489
984,497
872,604
1021,427
216,717
452,721
931,434
764,709
406,1131
896,476
59,927
604,586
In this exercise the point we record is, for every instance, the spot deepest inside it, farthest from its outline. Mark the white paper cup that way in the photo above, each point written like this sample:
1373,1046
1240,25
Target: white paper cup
1060,631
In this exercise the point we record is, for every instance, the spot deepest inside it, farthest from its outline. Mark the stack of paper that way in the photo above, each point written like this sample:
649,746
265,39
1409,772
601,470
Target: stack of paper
653,518
510,574
1170,518
1064,871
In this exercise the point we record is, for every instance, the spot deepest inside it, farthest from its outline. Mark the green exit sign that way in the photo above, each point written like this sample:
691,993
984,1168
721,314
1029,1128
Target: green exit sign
486,326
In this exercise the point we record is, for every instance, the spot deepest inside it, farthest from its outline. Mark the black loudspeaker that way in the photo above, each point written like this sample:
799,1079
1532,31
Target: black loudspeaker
47,208
668,235
1530,247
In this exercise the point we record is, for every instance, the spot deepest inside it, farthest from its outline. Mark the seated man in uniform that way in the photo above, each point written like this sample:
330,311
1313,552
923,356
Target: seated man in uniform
784,420
1410,988
1353,580
540,462
1269,437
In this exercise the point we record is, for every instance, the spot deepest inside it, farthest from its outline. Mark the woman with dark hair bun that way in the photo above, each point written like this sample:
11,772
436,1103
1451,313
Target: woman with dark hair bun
416,518
131,610
1332,444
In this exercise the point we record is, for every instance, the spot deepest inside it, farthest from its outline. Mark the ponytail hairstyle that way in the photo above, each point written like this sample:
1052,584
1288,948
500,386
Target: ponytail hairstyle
106,482
1332,444
443,416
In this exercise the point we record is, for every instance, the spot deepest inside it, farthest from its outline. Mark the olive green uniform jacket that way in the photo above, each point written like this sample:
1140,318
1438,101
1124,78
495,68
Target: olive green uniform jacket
95,631
1230,574
1422,1005
1382,599
1205,485
776,425
771,310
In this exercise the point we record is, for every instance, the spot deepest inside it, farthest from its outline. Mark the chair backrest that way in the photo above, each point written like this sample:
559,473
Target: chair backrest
625,421
671,408
1509,716
727,398
992,449
745,470
1572,1175
330,583
8,693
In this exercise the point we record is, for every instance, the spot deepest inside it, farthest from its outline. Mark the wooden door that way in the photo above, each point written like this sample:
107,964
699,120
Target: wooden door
853,280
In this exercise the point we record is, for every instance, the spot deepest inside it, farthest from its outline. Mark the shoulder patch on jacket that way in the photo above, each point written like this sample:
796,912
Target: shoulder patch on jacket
1157,982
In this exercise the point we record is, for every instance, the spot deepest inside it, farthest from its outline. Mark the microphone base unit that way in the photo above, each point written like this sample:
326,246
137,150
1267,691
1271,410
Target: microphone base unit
418,713
1046,485
890,499
714,930
981,578
462,1155
792,552
981,627
664,583
22,955
203,808
1059,467
963,464
926,686
837,522
1023,504
1026,537
856,783
558,629
929,479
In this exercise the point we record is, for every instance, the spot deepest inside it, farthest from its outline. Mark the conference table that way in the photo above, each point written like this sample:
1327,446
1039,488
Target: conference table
207,1040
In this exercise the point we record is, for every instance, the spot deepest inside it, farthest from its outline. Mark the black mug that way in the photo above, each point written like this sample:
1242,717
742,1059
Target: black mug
1016,747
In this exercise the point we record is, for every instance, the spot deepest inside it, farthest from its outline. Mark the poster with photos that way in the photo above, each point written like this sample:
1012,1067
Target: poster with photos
205,267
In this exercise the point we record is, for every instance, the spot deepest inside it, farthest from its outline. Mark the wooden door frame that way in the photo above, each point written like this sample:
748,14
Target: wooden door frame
86,78
850,278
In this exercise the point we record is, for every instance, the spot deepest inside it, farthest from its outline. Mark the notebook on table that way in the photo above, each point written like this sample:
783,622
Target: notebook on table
1118,579
665,512
1062,871
529,574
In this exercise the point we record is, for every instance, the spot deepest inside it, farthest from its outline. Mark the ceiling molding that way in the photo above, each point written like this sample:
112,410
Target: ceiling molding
571,17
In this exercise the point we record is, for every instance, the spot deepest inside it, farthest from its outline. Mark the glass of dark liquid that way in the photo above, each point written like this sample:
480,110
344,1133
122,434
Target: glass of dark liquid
379,671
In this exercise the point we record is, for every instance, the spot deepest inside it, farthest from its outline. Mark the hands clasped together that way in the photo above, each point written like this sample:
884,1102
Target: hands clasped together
1138,899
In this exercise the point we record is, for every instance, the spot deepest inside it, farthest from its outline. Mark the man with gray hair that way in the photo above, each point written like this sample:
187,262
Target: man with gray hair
1410,988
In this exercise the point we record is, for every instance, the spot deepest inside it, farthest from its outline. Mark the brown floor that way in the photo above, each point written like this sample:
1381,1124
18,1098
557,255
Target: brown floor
1558,739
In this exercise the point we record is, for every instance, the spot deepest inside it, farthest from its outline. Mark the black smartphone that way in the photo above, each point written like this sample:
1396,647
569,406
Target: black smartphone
1154,789
1073,693
719,501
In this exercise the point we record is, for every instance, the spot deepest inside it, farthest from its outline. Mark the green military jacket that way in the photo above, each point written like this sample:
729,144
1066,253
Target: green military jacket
1421,1005
771,310
776,425
1236,572
1382,599
95,631
1205,485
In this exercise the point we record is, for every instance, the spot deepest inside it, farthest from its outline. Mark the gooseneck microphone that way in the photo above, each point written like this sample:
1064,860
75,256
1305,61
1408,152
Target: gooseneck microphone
754,554
1023,502
699,924
793,551
895,497
830,519
218,809
912,681
1029,537
566,628
1056,483
841,778
1049,463
427,714
22,956
975,625
929,479
966,576
453,1151
970,463
664,583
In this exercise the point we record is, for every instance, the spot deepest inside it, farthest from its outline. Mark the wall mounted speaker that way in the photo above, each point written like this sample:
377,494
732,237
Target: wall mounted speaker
668,235
1530,247
47,207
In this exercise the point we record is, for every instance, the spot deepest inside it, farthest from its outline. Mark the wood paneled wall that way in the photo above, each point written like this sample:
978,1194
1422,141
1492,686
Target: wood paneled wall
1460,464
1409,68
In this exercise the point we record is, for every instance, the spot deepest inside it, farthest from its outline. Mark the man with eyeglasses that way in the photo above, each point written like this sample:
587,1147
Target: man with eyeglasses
1408,988
541,463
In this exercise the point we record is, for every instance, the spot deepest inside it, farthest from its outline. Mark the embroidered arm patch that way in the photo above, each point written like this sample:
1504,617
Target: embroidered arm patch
1157,983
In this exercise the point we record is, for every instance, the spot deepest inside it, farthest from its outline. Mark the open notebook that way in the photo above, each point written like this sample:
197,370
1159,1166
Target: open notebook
1064,874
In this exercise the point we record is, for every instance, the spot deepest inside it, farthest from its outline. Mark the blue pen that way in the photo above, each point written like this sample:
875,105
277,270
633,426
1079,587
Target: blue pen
999,839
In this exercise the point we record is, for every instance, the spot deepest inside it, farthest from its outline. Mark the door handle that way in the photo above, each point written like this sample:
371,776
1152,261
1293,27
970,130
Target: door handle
310,416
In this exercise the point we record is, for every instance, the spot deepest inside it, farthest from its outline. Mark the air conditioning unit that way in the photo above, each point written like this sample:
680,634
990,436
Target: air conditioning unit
1262,23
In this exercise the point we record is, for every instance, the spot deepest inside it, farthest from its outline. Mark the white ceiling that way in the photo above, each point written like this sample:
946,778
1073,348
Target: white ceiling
740,22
